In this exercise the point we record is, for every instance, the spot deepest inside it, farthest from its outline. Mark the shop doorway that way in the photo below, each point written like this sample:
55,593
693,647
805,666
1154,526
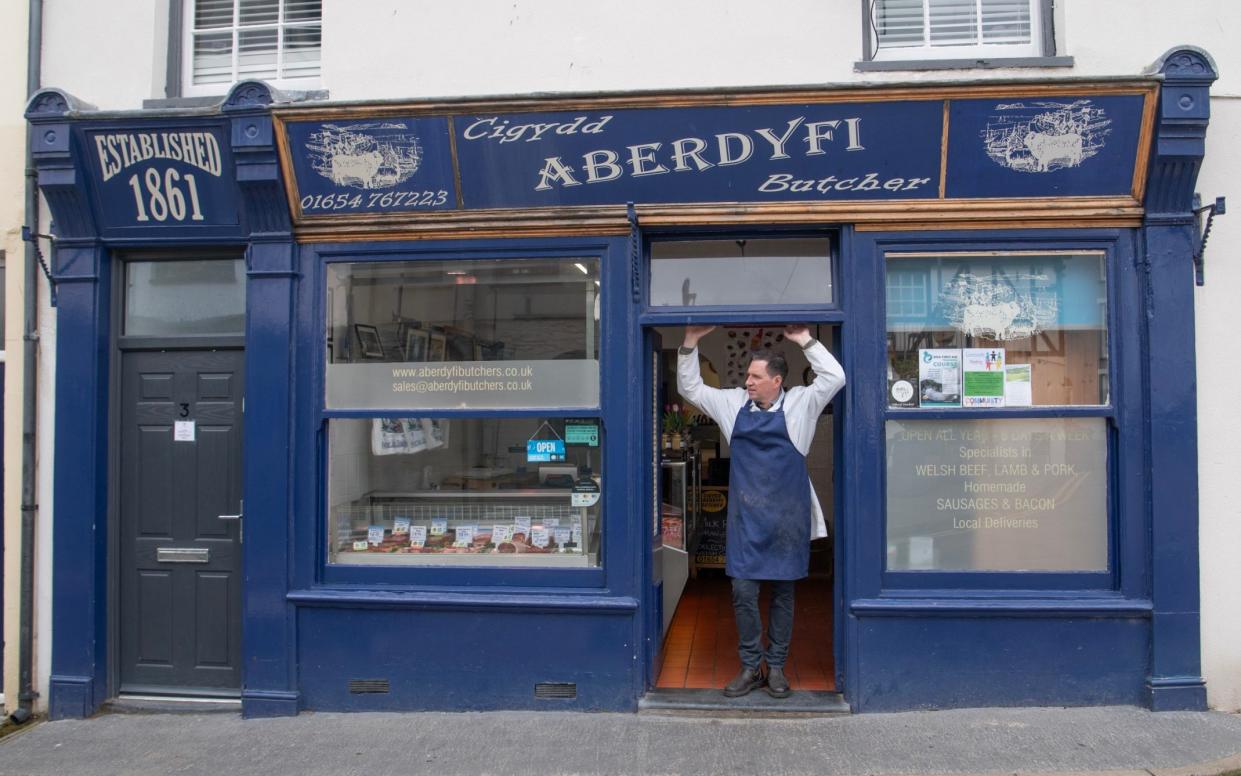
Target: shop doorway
697,644
180,521
178,415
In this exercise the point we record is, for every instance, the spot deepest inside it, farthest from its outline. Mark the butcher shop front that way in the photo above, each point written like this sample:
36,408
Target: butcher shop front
374,406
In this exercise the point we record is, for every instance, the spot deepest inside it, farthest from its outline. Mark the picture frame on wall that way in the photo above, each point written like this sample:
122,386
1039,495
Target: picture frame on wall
416,344
438,348
368,340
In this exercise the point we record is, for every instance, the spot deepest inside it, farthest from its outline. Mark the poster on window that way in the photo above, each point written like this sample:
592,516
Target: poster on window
983,377
939,377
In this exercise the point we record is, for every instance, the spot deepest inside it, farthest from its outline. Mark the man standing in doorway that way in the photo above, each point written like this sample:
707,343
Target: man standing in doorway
772,510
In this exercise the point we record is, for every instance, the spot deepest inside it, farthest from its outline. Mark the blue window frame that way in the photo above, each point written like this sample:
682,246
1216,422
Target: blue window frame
608,257
1118,413
825,309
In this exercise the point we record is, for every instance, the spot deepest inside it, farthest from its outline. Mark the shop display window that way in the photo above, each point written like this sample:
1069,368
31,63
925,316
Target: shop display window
700,273
1014,332
997,330
509,487
422,335
518,491
1021,494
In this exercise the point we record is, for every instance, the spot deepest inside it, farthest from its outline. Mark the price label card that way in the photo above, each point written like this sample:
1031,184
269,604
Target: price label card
522,525
400,525
417,535
563,536
577,535
439,526
501,533
361,546
375,534
551,522
465,536
539,537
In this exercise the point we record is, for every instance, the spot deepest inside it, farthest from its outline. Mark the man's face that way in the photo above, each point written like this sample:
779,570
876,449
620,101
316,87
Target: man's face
760,386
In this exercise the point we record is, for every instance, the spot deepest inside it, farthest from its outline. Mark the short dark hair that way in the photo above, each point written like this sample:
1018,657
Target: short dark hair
776,365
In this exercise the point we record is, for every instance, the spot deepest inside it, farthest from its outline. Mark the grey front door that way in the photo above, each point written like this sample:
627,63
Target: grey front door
180,561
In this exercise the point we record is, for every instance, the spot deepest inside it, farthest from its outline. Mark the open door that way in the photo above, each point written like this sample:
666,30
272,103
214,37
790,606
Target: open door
653,380
691,644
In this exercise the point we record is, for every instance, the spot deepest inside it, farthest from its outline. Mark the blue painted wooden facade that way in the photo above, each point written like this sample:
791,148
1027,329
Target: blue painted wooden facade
904,640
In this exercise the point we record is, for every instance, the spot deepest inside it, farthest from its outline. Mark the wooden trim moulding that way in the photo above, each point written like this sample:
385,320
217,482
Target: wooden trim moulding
440,107
1067,212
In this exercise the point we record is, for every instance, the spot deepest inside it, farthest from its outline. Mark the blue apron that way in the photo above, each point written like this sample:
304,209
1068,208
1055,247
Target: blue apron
768,500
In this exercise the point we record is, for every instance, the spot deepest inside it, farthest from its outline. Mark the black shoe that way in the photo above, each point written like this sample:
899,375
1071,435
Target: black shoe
742,683
777,684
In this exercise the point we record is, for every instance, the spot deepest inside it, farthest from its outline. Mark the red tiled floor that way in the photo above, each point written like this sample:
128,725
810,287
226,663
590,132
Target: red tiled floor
700,648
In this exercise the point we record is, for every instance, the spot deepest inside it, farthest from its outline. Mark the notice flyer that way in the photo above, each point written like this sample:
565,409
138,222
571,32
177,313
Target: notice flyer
983,377
939,377
1018,385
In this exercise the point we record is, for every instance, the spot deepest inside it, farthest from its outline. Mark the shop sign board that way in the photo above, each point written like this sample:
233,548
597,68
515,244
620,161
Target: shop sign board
373,165
161,175
835,150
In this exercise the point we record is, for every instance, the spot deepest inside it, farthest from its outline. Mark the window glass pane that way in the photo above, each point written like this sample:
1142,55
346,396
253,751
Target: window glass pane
465,491
213,13
456,334
213,58
301,51
1006,21
303,10
169,298
992,330
953,22
1025,494
259,11
256,53
741,272
899,22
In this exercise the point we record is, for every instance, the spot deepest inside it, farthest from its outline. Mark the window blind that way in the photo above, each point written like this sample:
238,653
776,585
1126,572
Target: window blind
936,23
231,40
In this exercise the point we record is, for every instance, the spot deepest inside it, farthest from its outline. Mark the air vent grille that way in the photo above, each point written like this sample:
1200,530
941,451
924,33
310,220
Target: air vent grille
554,690
368,686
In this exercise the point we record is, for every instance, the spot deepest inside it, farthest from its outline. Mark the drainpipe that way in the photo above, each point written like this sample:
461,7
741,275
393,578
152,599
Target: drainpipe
30,340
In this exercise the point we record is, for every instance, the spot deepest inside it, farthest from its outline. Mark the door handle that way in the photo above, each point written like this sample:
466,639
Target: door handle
241,510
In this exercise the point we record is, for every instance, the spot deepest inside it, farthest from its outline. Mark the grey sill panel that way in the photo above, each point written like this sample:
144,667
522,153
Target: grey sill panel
212,100
960,64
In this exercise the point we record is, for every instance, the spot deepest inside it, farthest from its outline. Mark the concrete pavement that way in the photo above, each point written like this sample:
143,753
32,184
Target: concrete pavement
978,741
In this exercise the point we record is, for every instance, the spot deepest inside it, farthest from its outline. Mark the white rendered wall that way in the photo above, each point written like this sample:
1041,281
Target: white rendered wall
106,53
1219,419
112,55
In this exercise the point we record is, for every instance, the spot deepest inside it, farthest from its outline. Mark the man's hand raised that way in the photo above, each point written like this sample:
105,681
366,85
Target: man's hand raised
695,333
798,333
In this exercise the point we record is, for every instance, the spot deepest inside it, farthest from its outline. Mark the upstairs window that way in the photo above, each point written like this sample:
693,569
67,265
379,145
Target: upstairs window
955,29
278,41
